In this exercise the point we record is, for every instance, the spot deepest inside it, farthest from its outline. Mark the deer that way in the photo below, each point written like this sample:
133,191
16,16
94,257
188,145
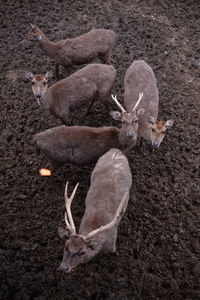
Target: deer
140,76
105,204
97,43
83,145
82,87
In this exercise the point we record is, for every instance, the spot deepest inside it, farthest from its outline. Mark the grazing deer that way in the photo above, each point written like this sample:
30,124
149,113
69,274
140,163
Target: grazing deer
82,145
105,205
96,43
82,87
140,77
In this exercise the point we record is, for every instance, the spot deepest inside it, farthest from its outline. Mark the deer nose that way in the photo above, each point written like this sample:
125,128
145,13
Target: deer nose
156,144
38,96
66,269
130,135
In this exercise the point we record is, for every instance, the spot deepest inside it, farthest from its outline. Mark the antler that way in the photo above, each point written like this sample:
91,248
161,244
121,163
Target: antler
111,224
68,215
117,102
137,103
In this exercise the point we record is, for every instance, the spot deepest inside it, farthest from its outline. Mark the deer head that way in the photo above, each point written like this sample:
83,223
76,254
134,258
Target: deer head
79,248
34,37
129,120
158,130
35,34
39,84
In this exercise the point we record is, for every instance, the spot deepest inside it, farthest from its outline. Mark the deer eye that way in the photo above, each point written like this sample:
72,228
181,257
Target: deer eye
44,83
153,129
163,132
136,121
81,253
33,83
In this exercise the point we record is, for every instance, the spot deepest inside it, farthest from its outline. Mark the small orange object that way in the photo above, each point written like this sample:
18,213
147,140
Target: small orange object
45,172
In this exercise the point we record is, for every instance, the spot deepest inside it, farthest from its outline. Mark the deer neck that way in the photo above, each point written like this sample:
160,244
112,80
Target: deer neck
45,100
50,48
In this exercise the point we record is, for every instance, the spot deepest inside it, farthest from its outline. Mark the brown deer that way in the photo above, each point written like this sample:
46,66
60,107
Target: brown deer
140,77
82,145
82,87
105,205
129,119
96,43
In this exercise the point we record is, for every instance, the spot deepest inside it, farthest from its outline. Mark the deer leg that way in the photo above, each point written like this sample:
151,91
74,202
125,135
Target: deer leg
67,120
64,115
106,58
104,94
70,69
70,122
37,149
89,107
88,110
54,165
107,106
57,71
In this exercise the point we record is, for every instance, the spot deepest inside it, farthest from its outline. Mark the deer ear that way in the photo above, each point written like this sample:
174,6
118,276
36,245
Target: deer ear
49,75
28,75
140,112
63,233
34,27
116,115
151,120
169,123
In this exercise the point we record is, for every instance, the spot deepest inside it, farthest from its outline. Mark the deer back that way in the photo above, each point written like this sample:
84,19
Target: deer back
87,46
140,78
78,145
80,88
110,180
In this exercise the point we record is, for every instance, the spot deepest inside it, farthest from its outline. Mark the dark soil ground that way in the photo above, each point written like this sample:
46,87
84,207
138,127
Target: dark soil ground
158,246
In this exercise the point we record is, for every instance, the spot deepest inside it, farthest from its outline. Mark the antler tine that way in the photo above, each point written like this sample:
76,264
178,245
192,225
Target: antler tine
117,102
68,215
112,223
139,99
68,210
68,225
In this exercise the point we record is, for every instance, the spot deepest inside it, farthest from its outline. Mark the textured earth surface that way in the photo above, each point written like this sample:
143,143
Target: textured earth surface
158,246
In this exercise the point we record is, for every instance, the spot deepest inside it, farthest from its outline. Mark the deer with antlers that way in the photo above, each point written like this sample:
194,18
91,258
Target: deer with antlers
140,77
97,43
82,145
105,205
128,119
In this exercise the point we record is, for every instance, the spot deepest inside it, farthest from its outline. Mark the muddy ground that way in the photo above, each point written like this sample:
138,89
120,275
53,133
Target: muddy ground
158,246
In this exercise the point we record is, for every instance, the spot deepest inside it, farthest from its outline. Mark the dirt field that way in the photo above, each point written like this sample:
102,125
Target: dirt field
158,246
